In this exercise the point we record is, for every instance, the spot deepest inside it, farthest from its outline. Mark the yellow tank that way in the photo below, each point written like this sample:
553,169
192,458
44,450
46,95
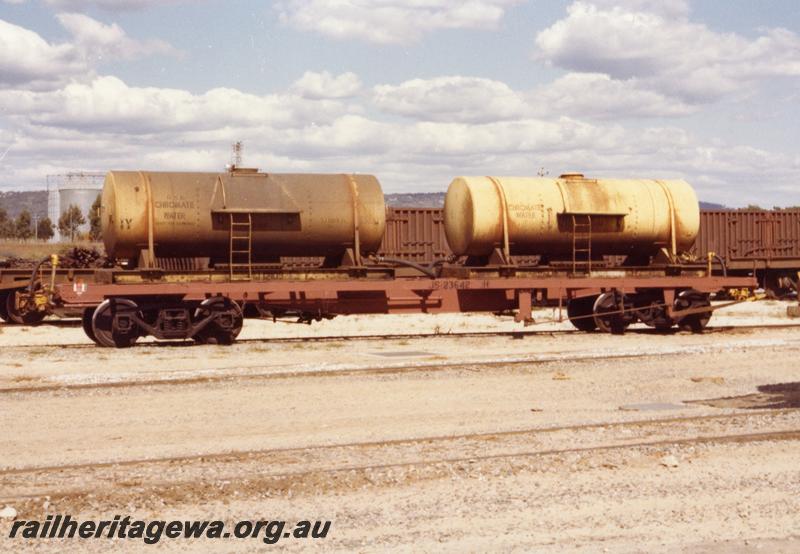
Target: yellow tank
545,215
191,214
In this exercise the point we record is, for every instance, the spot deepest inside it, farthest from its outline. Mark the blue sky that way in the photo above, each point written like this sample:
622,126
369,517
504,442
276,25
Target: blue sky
415,92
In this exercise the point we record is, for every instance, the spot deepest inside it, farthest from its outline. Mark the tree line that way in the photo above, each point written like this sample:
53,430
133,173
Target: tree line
69,223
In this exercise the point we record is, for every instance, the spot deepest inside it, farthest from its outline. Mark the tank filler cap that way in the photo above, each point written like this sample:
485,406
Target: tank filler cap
231,168
571,176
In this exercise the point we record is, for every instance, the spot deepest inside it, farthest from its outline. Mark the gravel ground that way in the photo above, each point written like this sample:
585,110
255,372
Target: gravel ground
552,442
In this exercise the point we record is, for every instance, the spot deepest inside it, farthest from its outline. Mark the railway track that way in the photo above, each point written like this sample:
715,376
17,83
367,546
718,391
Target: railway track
521,334
356,464
242,373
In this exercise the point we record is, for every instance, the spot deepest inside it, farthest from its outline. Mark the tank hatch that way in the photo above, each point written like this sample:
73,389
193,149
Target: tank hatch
587,196
251,193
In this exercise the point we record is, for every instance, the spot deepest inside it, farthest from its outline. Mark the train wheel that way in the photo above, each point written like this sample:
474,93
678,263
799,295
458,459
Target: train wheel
109,329
3,310
86,322
580,313
604,314
689,299
227,323
651,312
21,316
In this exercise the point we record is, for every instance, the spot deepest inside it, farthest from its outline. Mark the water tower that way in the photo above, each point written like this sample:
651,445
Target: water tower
80,189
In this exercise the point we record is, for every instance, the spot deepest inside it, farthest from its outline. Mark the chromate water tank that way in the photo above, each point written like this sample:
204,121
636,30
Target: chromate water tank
541,215
190,214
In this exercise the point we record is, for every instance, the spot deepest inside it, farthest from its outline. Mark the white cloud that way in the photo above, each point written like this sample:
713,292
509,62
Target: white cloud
452,99
666,8
664,51
596,95
96,40
107,104
109,124
390,21
27,59
477,100
325,85
108,5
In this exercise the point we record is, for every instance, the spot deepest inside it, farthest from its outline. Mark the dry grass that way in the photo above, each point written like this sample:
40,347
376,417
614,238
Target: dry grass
36,250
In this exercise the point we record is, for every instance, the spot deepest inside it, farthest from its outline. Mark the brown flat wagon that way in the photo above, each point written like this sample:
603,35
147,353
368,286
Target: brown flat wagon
119,306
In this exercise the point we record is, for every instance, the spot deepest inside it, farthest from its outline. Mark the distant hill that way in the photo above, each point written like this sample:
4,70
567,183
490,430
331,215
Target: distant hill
712,206
416,199
35,201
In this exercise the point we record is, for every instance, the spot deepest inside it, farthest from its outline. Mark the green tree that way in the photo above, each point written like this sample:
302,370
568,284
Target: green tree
5,225
22,226
45,229
95,231
70,222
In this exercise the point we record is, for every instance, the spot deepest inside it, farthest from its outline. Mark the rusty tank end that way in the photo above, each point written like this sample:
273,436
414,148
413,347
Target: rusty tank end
542,215
191,214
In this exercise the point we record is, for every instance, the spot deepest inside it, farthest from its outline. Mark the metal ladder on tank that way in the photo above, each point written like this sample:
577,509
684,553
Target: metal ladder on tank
241,244
581,243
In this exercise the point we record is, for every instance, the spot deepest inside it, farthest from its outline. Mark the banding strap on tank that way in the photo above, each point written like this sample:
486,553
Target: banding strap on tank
221,185
563,196
356,236
671,202
150,256
502,195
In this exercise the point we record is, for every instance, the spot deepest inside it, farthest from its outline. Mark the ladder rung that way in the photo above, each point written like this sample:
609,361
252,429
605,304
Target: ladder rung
241,236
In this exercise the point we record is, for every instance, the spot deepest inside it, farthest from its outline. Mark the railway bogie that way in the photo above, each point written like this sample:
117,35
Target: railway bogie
120,322
613,312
